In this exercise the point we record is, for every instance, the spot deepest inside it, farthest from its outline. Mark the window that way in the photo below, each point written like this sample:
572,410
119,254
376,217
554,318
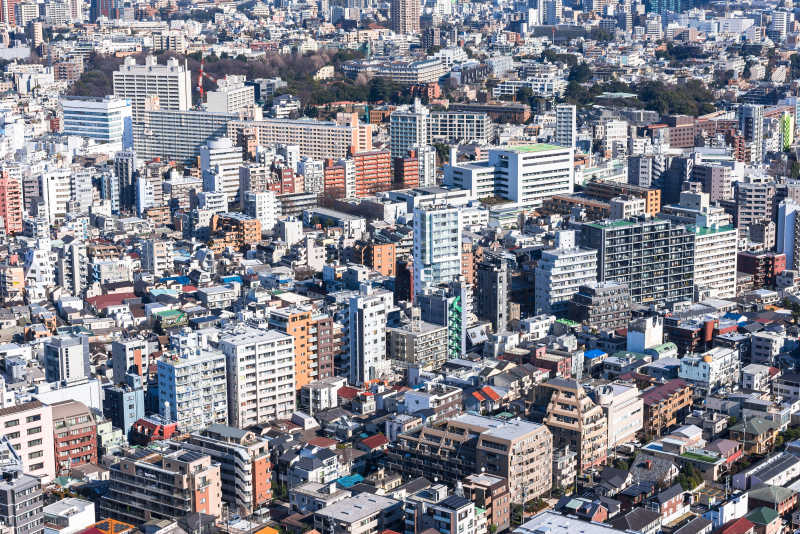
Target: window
35,430
36,454
33,418
36,467
12,422
34,442
12,435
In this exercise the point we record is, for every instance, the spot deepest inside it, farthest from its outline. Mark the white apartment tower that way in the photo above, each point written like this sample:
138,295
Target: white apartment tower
171,83
231,96
437,246
366,331
715,249
219,162
264,206
408,127
561,272
565,125
260,375
157,256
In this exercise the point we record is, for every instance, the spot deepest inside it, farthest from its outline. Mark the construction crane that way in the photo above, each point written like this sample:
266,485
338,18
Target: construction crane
203,74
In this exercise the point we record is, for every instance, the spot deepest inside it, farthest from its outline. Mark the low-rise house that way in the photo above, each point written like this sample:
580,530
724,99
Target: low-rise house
638,520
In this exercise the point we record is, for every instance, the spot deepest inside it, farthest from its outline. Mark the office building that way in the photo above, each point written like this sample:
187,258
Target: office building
640,171
437,246
526,174
192,388
109,9
561,272
66,359
565,125
519,451
404,17
261,375
75,436
22,498
106,120
366,328
28,427
170,83
243,458
219,162
190,482
601,305
653,257
575,421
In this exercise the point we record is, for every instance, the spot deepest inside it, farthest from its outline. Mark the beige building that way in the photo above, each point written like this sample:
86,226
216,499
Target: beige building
575,421
29,428
624,411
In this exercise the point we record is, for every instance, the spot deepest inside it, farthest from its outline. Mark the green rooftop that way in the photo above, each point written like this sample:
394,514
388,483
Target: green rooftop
168,313
705,230
699,457
616,223
762,515
538,147
567,322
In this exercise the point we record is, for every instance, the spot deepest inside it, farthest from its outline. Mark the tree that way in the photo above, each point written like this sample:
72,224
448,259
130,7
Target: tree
689,477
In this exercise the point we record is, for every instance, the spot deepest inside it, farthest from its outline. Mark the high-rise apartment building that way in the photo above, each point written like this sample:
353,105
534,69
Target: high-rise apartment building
125,170
408,126
653,257
491,293
602,305
22,500
404,16
366,331
72,266
174,135
715,249
373,172
129,356
261,375
751,123
106,120
561,272
157,256
66,358
231,95
788,238
75,436
220,161
171,83
448,306
192,388
10,203
437,245
755,201
180,482
264,206
316,139
565,125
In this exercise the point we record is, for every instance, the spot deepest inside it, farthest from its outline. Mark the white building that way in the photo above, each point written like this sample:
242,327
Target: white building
561,272
526,174
313,172
787,234
260,375
219,162
263,206
231,96
715,249
408,127
366,331
437,246
765,347
68,516
192,388
106,120
624,410
157,256
171,83
714,369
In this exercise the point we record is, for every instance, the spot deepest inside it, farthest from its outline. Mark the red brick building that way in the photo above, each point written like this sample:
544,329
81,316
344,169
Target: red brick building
74,436
373,172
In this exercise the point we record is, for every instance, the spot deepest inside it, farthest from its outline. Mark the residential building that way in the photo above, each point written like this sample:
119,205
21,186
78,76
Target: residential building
560,272
68,516
520,451
28,427
492,290
321,395
437,246
316,139
601,305
665,405
190,482
409,127
66,359
192,388
490,493
22,499
220,161
75,436
123,403
129,355
624,411
565,125
404,17
233,230
231,95
364,513
10,203
245,468
261,375
712,370
263,206
157,257
419,343
170,83
715,249
575,420
366,331
174,135
654,258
